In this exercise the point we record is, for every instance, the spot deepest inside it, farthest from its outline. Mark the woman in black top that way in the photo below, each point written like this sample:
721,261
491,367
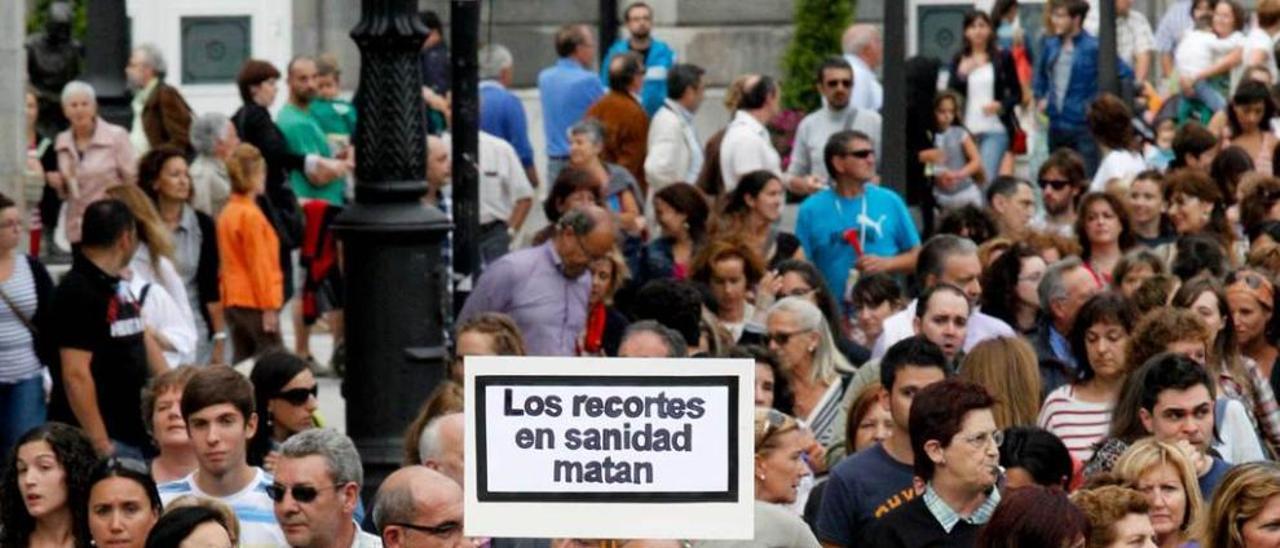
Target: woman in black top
981,63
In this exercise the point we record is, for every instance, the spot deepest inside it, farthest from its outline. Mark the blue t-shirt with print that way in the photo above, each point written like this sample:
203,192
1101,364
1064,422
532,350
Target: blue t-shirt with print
879,214
862,488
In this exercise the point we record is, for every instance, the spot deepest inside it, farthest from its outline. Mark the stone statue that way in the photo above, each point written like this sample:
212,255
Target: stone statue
53,59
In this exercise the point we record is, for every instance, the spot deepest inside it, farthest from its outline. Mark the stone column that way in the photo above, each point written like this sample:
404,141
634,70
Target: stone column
13,120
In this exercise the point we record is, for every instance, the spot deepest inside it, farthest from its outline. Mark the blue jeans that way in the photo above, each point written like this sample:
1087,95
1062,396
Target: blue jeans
991,147
1081,141
1209,95
21,409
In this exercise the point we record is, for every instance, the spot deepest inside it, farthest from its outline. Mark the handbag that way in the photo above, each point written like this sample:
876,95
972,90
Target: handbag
1018,142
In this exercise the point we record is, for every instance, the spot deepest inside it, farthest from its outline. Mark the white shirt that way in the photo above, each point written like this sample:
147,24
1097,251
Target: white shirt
165,316
745,148
675,154
503,181
1258,39
981,92
867,91
252,507
900,326
1239,438
1118,164
1200,49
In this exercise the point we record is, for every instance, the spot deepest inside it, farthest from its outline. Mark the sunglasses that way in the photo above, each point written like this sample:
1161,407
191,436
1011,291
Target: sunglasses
131,465
1056,184
299,396
445,529
859,154
841,83
301,493
773,421
781,337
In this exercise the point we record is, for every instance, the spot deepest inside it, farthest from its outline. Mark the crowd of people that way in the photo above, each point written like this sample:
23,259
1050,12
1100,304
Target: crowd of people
1062,333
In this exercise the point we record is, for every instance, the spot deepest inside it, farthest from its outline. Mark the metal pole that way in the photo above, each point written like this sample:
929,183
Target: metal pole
396,281
1108,70
608,27
106,53
464,30
893,164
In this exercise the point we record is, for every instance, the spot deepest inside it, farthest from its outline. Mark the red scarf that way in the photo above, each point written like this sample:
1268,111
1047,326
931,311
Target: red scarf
595,329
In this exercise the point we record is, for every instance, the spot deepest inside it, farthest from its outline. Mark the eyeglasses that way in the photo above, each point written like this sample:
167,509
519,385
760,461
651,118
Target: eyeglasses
980,441
593,257
446,529
299,396
859,154
301,493
781,337
773,420
846,83
1056,184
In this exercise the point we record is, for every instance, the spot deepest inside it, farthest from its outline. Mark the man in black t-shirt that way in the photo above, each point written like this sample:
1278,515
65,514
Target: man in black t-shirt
106,353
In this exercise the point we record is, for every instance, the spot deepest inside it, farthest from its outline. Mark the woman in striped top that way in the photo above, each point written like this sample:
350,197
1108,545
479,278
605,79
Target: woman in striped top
25,288
1080,412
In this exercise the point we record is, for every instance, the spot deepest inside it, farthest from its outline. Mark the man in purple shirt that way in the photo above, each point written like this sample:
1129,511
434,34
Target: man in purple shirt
567,88
545,288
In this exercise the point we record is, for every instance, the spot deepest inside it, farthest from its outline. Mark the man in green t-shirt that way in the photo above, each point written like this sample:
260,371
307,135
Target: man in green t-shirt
303,133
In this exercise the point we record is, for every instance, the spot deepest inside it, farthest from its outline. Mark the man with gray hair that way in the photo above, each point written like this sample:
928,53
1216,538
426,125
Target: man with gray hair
419,507
160,115
864,50
1065,287
317,489
953,260
501,112
213,137
650,339
441,446
545,289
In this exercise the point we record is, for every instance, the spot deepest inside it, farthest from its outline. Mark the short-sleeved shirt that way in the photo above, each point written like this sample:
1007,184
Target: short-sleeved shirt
304,136
885,226
861,489
503,181
335,116
502,115
95,313
252,506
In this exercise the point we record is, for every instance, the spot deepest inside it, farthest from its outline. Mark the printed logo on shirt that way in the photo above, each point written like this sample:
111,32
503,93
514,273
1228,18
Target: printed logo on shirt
124,314
898,499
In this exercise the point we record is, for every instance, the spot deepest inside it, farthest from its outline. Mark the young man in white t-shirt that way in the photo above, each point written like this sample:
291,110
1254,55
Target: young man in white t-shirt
217,404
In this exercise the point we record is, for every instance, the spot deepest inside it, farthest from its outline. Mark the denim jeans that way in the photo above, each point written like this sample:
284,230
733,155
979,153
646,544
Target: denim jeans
991,147
21,409
1209,95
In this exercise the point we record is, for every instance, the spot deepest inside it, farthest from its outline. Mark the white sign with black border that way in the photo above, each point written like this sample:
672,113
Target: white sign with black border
609,448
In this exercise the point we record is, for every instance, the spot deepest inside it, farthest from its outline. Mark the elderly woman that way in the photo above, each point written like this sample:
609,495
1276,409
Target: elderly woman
214,137
618,187
812,366
93,156
163,175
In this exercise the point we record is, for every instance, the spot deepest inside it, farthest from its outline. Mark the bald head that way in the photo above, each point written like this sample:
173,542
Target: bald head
417,495
439,162
583,235
626,73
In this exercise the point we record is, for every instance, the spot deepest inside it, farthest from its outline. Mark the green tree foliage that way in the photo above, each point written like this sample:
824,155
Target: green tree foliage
819,25
38,15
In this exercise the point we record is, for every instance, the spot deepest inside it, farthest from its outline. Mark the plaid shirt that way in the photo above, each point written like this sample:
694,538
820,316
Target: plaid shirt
1133,37
948,518
1261,400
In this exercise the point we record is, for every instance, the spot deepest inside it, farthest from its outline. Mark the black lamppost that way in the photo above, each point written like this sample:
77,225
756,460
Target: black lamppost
894,139
1108,73
106,45
464,30
396,281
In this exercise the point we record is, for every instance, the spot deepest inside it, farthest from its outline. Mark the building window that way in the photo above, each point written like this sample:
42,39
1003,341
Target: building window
214,48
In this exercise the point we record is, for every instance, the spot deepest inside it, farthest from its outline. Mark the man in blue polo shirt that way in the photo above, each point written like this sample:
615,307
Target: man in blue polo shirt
657,55
568,88
856,222
501,112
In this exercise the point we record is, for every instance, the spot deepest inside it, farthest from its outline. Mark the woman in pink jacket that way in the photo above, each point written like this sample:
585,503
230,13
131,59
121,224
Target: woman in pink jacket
93,155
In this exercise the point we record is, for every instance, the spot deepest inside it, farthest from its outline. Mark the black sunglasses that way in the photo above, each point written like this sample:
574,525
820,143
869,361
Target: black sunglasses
781,337
301,493
842,83
299,396
860,154
1056,184
443,530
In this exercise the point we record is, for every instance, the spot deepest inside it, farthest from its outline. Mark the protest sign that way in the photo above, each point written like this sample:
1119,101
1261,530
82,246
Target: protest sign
609,448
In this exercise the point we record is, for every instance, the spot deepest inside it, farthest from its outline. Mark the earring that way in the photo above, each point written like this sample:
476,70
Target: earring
812,348
760,477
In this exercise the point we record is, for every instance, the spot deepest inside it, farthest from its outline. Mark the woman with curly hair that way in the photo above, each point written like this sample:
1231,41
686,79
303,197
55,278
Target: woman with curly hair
1021,268
732,269
46,489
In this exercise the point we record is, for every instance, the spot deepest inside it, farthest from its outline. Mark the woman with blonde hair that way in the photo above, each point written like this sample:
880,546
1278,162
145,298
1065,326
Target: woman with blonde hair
605,325
813,366
154,279
1245,509
485,334
1162,473
1007,367
252,283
